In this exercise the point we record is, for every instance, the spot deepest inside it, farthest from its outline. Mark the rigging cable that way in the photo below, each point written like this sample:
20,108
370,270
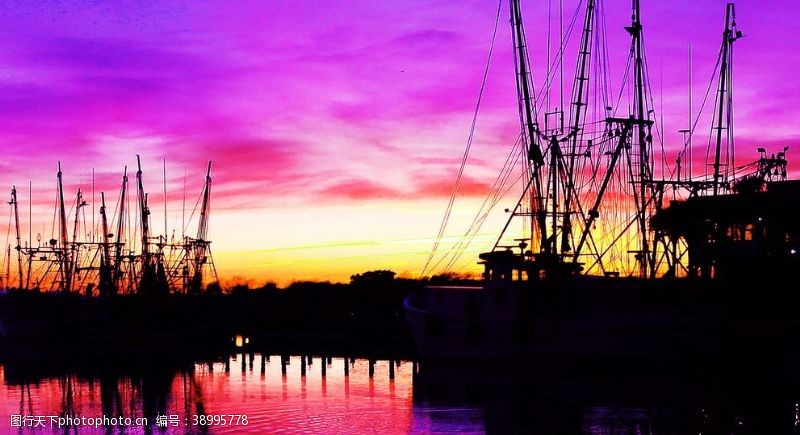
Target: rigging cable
539,99
498,192
693,125
515,155
713,116
469,144
731,145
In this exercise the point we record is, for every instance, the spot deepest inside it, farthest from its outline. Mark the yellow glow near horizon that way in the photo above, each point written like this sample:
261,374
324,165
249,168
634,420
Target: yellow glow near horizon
331,243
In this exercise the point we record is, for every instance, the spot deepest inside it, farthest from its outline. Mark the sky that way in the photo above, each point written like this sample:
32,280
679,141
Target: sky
335,128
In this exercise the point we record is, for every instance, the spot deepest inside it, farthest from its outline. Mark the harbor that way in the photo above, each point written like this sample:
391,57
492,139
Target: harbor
529,216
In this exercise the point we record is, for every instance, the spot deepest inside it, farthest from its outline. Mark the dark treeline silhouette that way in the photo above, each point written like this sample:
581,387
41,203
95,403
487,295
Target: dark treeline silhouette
364,314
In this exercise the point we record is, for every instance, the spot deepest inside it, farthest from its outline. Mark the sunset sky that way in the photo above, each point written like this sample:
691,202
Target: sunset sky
335,128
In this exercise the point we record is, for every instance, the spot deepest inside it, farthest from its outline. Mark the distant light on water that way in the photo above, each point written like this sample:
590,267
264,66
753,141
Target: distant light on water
240,341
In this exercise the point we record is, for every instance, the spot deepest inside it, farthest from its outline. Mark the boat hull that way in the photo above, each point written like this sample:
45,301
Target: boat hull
600,319
122,320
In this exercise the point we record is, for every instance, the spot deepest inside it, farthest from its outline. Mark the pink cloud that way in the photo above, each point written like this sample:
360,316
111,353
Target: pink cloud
442,187
355,189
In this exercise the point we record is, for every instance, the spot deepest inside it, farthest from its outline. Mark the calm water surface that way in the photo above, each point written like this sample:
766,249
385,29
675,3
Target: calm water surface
344,395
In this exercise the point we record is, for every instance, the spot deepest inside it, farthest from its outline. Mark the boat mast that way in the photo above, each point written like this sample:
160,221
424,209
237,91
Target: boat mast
643,178
7,266
119,245
30,235
18,248
79,202
200,243
729,36
107,286
148,279
579,105
66,278
530,124
594,212
144,213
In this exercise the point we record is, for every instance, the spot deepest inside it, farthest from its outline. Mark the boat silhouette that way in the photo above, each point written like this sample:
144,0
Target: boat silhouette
128,287
616,260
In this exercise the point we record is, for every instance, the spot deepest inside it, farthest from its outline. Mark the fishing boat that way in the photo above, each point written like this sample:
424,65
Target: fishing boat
109,280
620,257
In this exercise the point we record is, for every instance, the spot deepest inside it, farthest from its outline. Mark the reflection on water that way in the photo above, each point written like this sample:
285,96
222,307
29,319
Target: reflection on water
275,392
353,395
666,400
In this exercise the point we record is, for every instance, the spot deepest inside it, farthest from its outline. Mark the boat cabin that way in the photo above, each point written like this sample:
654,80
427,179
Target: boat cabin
738,235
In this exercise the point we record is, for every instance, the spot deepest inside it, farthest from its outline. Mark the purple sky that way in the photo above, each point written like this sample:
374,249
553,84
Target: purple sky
324,106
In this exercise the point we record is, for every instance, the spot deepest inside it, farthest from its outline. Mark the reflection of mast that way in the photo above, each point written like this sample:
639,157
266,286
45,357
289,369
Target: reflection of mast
68,387
110,398
25,392
16,227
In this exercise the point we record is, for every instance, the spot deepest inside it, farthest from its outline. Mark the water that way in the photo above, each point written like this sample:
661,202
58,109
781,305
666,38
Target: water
292,393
